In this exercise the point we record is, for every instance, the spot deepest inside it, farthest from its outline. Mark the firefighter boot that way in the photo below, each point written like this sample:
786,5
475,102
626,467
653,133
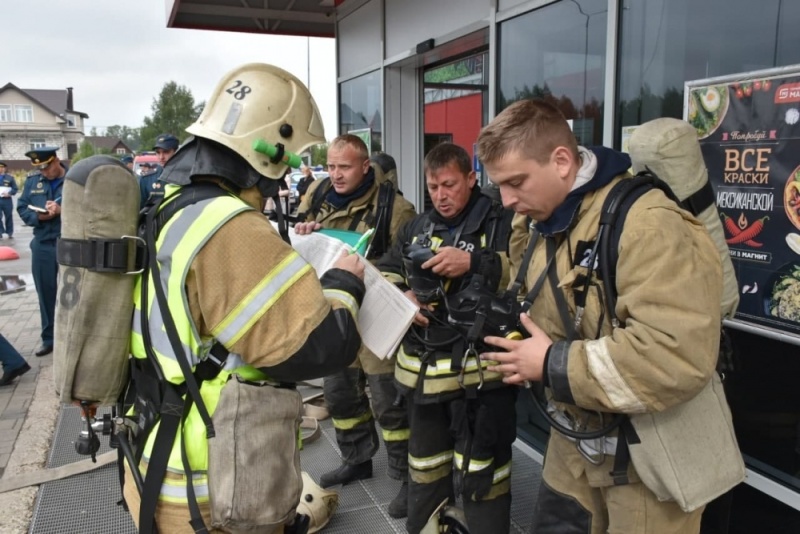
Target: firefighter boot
398,508
346,473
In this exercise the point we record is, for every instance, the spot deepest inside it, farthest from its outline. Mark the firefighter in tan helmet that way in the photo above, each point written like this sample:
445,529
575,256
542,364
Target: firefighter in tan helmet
250,316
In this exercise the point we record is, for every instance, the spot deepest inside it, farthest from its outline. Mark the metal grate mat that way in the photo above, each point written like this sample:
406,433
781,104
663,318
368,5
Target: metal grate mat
87,503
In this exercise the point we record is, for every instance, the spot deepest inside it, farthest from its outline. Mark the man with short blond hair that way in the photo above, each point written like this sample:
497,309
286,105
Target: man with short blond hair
658,352
351,199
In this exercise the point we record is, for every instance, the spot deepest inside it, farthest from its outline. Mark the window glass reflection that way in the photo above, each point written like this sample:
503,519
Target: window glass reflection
664,43
360,108
558,53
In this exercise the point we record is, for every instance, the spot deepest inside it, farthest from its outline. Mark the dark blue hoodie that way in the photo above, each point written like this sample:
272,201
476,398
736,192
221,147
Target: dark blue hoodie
610,164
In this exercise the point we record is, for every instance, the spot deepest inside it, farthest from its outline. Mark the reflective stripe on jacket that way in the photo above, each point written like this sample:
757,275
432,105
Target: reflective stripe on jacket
178,244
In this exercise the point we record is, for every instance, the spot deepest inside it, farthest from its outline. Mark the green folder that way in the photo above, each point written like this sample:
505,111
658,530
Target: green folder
347,237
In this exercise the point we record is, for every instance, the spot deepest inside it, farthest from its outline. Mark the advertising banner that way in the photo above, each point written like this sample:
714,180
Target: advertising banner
749,131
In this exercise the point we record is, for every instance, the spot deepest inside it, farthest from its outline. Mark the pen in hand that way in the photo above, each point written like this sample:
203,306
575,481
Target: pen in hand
361,240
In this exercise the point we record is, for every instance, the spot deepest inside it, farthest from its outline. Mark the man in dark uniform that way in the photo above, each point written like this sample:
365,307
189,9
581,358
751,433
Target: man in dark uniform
40,206
6,204
462,418
151,184
127,161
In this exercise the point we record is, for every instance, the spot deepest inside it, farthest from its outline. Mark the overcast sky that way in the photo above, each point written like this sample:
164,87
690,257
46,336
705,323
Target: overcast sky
118,54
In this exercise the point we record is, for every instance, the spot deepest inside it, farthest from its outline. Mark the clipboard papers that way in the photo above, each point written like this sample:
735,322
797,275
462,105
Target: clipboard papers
386,313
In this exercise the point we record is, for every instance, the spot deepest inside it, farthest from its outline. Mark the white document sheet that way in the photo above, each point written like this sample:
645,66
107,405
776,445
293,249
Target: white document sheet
386,313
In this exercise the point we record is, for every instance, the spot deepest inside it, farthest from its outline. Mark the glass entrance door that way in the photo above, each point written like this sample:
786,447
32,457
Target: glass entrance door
455,105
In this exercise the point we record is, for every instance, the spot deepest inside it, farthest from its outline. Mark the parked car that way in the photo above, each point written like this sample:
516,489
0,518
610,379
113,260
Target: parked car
144,157
293,179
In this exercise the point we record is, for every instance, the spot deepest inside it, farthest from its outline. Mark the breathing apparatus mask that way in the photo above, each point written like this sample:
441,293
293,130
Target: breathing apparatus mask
427,286
472,313
480,312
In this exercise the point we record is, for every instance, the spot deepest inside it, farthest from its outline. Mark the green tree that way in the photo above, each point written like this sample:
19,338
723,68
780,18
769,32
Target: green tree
319,154
85,150
173,111
129,136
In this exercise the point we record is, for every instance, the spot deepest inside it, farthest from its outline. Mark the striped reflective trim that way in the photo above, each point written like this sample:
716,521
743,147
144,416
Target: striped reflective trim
177,493
602,367
173,487
177,229
232,362
434,385
413,363
260,299
348,424
501,473
396,435
475,465
430,476
346,299
430,462
499,489
180,241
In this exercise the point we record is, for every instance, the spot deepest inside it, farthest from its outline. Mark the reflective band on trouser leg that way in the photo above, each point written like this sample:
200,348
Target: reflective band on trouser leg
439,378
352,422
501,483
396,435
173,489
430,469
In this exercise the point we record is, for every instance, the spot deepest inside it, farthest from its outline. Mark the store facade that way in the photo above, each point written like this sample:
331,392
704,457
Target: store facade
412,73
430,71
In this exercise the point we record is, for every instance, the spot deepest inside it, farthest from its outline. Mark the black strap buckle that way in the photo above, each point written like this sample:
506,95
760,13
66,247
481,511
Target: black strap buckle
124,255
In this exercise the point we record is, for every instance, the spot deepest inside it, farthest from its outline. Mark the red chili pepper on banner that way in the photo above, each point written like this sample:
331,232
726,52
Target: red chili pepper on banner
748,233
732,229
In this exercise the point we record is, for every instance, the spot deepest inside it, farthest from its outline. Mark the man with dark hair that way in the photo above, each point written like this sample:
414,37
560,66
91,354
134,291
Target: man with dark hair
351,199
127,161
151,185
462,418
40,206
9,188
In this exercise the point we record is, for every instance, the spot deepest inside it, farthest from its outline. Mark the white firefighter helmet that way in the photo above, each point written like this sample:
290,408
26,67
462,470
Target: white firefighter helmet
261,102
317,503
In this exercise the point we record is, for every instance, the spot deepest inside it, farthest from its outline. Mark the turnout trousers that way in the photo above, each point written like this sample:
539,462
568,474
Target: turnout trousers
6,216
573,501
44,268
463,447
9,356
353,418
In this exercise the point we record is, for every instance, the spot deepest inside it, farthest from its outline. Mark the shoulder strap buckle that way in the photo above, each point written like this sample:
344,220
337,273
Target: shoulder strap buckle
123,255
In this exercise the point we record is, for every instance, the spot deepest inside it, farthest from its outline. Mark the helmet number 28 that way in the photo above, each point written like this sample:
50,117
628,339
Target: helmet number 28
238,90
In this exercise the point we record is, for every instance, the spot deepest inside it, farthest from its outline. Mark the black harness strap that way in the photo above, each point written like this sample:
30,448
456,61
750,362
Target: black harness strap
171,411
172,407
382,239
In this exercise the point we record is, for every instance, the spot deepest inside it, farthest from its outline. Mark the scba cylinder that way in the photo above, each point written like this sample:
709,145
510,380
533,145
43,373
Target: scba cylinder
94,305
